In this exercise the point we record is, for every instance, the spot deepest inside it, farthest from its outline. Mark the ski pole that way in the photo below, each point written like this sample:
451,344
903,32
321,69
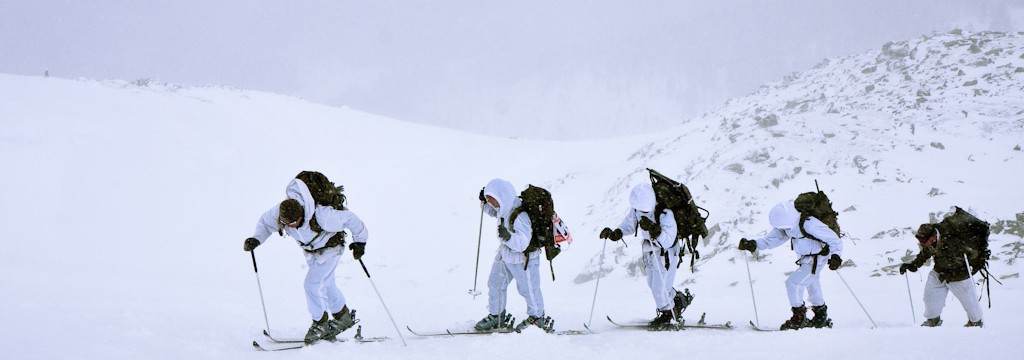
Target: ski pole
260,287
750,280
858,300
600,268
974,286
913,313
382,301
476,269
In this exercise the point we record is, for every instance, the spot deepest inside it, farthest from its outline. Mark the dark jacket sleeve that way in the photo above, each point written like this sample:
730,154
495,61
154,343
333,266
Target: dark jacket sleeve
923,256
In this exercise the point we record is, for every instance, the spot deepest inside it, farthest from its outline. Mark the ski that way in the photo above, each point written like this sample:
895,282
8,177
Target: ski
281,341
447,332
262,347
701,324
292,344
642,326
574,332
761,329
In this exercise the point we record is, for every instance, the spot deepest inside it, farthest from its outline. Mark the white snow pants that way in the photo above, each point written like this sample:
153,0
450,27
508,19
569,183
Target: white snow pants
322,293
802,280
527,282
660,279
935,292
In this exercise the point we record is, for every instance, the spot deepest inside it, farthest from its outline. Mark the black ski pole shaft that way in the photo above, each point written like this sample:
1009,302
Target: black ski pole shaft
552,267
367,272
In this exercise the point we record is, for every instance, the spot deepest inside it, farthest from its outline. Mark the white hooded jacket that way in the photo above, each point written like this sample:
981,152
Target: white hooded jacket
331,220
643,202
785,220
511,250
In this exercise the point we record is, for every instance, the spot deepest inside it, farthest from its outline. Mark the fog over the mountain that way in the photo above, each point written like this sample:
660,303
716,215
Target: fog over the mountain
541,69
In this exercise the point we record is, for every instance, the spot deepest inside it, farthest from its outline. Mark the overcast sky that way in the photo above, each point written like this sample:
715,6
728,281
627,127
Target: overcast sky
536,68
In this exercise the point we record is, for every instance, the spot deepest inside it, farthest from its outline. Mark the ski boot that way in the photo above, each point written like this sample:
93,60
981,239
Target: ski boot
937,321
543,322
662,322
317,330
492,322
974,324
681,301
820,319
798,321
343,320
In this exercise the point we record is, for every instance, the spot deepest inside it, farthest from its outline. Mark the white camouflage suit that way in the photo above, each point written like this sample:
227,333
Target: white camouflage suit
322,293
785,221
661,255
509,260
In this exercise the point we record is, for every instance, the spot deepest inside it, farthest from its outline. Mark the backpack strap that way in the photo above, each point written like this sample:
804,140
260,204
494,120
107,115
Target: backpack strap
659,209
824,250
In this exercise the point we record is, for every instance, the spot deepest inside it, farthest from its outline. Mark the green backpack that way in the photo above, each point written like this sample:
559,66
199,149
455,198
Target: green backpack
690,225
973,234
538,205
324,192
818,205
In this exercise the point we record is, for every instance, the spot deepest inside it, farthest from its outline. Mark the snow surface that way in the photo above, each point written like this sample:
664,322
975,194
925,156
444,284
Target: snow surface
129,205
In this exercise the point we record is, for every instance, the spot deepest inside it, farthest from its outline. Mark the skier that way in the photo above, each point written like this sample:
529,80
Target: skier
950,273
499,199
785,221
299,216
660,252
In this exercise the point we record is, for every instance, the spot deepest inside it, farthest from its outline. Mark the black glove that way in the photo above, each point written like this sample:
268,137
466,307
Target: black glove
905,267
749,245
834,262
646,224
616,235
655,231
358,249
250,243
482,198
613,235
503,232
650,227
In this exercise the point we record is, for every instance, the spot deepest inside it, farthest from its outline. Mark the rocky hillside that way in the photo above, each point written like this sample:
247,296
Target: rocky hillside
896,136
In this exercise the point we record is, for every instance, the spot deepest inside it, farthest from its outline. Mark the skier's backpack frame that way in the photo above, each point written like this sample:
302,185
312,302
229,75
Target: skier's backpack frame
536,202
690,225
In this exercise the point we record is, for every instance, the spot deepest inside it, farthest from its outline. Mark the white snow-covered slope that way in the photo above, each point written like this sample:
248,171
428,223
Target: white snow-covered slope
127,205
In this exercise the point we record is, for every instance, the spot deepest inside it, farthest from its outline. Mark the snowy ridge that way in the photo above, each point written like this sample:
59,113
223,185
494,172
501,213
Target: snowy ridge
938,120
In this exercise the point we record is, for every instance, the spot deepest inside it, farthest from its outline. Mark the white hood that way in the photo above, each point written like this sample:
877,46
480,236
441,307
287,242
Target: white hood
502,191
297,190
784,216
642,198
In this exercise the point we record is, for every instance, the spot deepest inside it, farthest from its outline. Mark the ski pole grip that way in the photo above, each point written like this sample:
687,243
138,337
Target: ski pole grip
254,269
364,268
